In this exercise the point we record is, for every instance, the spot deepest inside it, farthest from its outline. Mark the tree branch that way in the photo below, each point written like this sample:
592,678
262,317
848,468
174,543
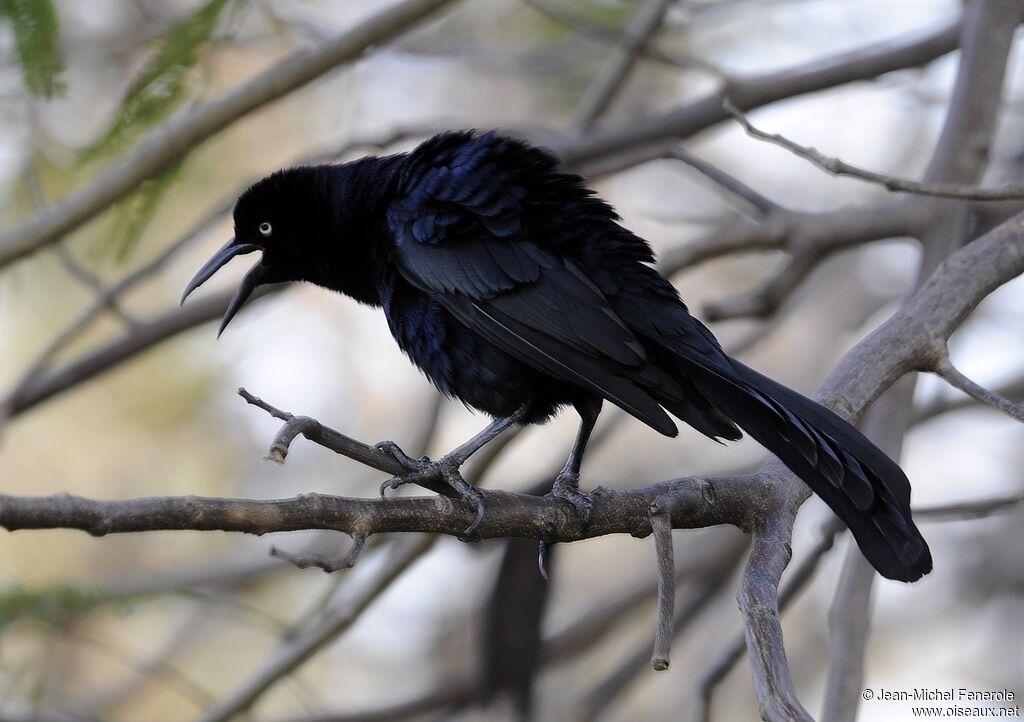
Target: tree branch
924,323
324,436
795,583
766,299
293,651
661,526
756,91
849,619
758,201
950,374
616,68
582,26
509,514
836,166
970,509
800,233
801,575
144,335
699,595
1012,389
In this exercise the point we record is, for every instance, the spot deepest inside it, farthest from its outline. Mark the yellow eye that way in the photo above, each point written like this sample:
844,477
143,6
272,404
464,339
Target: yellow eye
266,229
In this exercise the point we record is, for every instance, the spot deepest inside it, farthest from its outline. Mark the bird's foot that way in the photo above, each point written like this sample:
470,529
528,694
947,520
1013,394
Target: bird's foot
567,487
395,451
442,476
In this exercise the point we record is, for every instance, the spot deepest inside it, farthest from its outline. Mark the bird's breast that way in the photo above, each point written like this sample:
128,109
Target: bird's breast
458,361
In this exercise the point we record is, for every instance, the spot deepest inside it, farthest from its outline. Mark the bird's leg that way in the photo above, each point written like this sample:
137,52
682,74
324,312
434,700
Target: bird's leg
567,483
425,472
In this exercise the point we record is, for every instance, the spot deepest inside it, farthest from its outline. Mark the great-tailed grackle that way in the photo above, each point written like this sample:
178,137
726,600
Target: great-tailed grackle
515,289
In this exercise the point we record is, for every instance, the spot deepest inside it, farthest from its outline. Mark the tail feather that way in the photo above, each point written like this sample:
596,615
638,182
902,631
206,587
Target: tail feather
862,485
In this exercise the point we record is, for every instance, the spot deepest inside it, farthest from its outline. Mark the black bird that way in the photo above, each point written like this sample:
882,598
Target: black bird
514,289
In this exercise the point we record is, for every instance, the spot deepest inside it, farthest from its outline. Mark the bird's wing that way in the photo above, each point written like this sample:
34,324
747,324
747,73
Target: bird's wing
458,235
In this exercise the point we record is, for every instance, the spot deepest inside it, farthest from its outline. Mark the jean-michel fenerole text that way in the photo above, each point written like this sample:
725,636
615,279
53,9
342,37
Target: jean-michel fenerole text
922,694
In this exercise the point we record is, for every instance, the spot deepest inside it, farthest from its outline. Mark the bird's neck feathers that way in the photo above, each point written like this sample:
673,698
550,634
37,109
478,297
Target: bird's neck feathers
358,194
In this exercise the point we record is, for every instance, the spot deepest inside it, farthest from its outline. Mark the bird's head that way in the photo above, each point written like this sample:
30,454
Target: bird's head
284,217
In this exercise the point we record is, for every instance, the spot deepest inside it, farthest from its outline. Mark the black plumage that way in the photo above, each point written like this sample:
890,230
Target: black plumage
515,289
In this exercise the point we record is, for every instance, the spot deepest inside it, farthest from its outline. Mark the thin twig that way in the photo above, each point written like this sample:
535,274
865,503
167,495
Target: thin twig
760,202
329,564
755,91
703,561
322,435
337,442
765,300
90,281
145,335
588,29
944,404
735,188
701,593
292,652
798,232
661,526
615,70
836,166
970,509
951,375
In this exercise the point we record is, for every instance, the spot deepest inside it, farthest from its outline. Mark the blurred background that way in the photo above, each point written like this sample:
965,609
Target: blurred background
162,626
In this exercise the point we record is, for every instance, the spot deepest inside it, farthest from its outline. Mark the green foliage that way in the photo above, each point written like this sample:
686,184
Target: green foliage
164,81
52,605
160,87
609,15
36,32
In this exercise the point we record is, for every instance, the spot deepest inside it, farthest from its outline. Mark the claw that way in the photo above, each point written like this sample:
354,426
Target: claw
423,470
542,558
419,469
427,472
567,487
392,484
469,494
472,529
395,451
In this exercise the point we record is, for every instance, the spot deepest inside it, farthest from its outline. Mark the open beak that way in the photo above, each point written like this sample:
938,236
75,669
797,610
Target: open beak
249,283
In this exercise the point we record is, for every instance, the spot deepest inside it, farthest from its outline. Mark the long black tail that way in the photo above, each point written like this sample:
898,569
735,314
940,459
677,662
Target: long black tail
863,486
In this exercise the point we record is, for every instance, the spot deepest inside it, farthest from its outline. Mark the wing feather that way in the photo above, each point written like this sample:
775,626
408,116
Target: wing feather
457,236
